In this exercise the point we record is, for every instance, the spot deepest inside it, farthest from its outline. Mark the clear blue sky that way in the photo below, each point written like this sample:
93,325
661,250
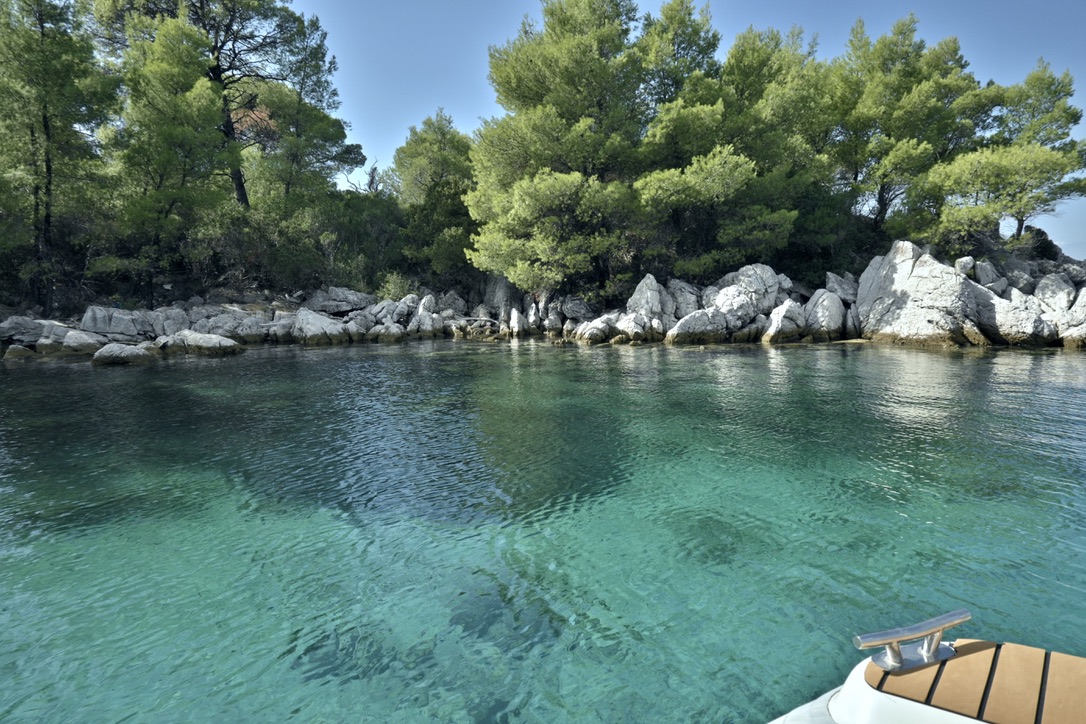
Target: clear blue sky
400,61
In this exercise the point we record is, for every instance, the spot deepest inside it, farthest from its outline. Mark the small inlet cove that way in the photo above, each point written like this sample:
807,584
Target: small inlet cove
460,531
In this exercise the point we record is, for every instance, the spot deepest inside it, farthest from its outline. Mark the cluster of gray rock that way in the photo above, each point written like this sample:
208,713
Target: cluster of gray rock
906,296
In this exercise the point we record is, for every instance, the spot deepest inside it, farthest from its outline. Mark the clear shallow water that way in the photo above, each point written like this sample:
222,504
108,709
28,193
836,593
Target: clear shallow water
476,533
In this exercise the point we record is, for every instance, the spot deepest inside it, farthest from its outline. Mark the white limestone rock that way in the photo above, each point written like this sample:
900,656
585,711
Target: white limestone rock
518,323
825,314
78,342
1016,321
652,301
759,282
23,331
787,323
1019,275
338,300
845,288
426,323
738,306
121,354
639,328
965,265
705,326
985,272
315,330
753,332
600,329
1075,338
909,297
1056,292
196,343
687,297
577,309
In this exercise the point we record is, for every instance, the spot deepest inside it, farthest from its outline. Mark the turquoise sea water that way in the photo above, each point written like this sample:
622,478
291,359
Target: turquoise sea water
474,533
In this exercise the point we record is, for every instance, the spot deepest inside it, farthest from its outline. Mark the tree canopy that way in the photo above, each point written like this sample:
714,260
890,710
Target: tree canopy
149,145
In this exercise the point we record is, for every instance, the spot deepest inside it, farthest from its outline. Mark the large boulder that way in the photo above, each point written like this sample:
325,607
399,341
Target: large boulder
78,342
1056,292
426,322
281,328
387,333
207,345
554,322
985,273
825,314
498,297
844,287
452,301
314,330
753,332
638,328
237,324
705,326
597,330
760,284
787,323
1075,338
576,308
737,305
652,301
533,319
1019,275
1016,321
1076,315
338,300
22,331
687,297
518,323
909,297
965,265
405,309
121,354
123,325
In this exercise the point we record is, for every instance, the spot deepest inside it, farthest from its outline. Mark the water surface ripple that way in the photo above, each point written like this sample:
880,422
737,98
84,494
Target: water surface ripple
476,533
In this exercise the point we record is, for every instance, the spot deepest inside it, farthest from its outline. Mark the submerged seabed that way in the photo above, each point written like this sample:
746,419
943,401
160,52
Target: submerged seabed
472,533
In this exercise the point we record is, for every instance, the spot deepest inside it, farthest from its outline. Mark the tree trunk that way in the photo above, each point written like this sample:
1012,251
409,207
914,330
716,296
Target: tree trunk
47,216
229,132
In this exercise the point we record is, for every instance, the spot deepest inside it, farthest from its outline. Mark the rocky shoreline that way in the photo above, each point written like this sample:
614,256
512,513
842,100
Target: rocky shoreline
904,297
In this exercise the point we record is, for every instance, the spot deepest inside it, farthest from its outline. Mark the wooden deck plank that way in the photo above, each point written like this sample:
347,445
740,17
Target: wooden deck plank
914,684
964,679
1065,694
873,674
1016,686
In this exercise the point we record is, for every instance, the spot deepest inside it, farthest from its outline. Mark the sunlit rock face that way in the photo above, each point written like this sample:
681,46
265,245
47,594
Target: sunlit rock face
909,297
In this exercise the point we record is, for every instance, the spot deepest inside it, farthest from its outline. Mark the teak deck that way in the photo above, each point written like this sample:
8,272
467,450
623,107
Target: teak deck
998,683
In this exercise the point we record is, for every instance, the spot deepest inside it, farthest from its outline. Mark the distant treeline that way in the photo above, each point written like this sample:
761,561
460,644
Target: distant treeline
154,144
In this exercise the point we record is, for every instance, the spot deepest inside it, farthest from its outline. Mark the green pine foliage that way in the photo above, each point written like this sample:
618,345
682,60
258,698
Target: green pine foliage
191,145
